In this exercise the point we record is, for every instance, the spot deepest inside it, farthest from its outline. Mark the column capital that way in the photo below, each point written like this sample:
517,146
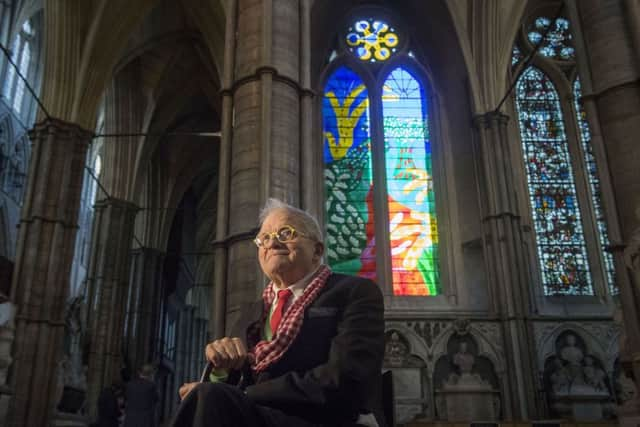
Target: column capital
61,129
115,202
490,119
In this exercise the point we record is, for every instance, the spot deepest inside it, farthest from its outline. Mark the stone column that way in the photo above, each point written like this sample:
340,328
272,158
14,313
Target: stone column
107,282
43,263
608,30
506,262
264,150
143,306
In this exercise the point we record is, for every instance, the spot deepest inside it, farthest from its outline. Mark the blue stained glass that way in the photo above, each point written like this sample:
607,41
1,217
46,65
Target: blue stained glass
558,41
594,185
556,215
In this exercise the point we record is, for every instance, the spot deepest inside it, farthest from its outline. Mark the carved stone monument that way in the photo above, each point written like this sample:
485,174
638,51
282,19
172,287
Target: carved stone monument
72,379
578,385
7,329
465,395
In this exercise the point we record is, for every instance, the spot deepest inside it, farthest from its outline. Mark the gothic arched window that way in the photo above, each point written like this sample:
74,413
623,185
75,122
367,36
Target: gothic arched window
379,192
24,55
567,213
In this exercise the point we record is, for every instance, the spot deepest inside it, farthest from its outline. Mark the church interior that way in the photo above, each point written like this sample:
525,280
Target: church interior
475,158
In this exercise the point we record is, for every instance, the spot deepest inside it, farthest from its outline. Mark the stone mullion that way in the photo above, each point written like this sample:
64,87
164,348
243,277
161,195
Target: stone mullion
111,246
43,262
504,247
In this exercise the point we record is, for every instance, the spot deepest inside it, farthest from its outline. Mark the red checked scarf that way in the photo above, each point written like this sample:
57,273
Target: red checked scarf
269,352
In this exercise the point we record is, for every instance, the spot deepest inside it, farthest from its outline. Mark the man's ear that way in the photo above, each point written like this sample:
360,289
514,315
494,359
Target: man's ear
318,251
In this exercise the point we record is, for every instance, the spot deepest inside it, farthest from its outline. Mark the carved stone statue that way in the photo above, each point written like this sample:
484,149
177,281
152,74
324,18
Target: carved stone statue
7,314
465,395
463,359
594,376
396,350
573,355
577,385
560,378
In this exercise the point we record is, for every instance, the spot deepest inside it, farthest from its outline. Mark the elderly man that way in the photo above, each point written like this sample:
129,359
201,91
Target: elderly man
308,354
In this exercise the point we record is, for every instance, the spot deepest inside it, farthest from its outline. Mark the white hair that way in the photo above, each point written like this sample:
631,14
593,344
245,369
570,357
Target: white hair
309,223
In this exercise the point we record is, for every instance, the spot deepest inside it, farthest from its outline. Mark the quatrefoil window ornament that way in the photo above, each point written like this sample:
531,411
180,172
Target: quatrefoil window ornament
372,40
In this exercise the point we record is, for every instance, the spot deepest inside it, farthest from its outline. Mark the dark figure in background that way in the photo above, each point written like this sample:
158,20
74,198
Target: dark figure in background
141,397
308,354
109,406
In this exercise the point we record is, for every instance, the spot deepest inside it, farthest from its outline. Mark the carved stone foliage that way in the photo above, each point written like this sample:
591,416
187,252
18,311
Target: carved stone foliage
428,331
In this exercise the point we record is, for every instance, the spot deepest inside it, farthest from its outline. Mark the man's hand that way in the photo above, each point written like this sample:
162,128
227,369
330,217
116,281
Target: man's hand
186,388
227,353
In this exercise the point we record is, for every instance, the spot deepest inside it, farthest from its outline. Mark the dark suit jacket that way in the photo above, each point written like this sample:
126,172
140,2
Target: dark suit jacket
141,397
332,370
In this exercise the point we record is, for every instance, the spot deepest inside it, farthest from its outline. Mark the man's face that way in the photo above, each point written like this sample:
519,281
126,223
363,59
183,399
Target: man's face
286,263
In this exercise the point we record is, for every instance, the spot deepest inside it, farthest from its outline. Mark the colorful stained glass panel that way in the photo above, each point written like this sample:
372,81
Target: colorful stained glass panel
413,228
348,175
372,40
594,184
558,43
556,214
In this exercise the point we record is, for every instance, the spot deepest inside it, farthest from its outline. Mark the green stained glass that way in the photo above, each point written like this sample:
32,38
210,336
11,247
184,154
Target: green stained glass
413,231
347,175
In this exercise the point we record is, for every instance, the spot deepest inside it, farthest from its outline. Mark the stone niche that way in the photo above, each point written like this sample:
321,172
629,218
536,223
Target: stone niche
466,386
409,373
576,382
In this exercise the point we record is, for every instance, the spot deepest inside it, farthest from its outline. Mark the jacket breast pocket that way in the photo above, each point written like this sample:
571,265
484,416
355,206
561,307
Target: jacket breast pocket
319,312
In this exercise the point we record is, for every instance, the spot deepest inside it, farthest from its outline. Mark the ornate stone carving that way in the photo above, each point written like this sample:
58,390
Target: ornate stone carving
7,314
466,383
428,331
576,382
71,373
396,351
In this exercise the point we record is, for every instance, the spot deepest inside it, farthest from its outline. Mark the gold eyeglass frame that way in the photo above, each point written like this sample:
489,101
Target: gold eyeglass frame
294,233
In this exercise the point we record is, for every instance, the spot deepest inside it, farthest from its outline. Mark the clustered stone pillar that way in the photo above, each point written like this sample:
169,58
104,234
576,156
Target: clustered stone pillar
107,282
262,157
506,261
43,263
143,305
609,37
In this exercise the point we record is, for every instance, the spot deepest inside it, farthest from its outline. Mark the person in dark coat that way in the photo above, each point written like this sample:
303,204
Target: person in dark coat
109,406
141,397
308,354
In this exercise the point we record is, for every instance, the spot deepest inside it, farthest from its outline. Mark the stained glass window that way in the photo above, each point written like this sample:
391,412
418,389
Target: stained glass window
372,40
412,215
558,43
348,175
556,215
594,184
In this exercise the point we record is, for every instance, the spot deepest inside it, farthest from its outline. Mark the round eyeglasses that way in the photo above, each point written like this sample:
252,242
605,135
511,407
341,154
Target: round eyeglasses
285,234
